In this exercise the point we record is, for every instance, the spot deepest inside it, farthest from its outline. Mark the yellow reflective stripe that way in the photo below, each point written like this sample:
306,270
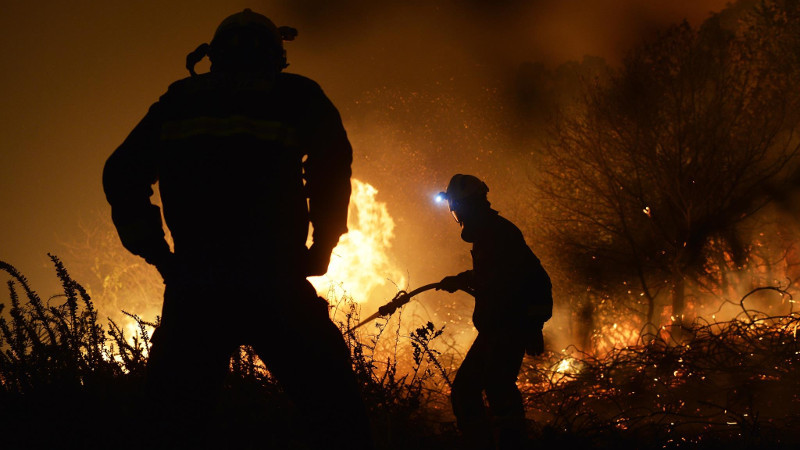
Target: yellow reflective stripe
266,130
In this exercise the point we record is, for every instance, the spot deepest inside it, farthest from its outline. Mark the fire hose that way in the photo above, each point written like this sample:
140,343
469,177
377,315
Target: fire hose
400,299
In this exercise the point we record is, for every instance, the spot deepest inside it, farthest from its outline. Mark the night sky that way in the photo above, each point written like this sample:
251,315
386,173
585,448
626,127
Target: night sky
78,75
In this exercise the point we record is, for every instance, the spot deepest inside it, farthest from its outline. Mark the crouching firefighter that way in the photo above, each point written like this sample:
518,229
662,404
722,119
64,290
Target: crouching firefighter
247,158
513,300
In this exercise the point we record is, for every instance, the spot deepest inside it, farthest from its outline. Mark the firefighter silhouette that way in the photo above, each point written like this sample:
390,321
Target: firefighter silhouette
513,300
247,158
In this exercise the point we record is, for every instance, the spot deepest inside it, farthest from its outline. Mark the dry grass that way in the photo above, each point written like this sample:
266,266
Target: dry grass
66,379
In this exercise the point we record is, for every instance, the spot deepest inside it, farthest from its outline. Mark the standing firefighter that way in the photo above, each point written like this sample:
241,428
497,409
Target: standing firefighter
512,302
246,157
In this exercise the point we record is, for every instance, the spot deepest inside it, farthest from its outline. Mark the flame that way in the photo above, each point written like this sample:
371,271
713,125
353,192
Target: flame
360,269
360,266
565,365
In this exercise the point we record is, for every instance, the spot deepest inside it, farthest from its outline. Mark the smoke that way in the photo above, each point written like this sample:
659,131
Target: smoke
410,40
428,89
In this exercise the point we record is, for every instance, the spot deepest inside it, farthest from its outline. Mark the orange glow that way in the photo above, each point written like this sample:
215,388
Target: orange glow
360,269
360,266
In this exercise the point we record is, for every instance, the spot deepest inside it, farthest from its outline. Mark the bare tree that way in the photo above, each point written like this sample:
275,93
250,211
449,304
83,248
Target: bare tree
661,164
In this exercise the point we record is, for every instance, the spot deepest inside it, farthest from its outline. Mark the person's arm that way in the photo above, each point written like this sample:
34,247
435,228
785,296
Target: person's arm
128,178
540,307
519,275
327,173
463,281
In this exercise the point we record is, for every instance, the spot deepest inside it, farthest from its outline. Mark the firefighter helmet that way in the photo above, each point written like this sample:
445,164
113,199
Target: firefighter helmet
464,191
257,23
462,187
245,39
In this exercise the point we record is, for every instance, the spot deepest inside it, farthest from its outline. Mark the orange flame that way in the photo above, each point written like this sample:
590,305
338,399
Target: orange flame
360,266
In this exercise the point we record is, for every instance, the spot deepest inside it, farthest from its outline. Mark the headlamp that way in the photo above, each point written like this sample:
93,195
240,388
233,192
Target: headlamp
441,197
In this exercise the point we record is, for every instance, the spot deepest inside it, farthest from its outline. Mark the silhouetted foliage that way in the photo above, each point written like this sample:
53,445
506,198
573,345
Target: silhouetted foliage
66,381
662,166
58,360
723,385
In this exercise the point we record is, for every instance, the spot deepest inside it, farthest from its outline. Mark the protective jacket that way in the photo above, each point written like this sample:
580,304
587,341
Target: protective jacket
244,164
512,290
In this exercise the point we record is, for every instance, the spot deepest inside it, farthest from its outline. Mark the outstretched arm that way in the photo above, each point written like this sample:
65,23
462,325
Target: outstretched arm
463,281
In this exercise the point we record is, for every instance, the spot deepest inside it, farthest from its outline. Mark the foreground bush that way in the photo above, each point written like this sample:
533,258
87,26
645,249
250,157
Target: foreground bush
66,380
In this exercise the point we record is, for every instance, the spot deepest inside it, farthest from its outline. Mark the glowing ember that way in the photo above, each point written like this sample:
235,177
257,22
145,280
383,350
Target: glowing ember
360,267
568,365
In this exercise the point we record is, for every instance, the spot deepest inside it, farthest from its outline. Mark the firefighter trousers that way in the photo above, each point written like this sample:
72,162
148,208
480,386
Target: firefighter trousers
491,366
289,328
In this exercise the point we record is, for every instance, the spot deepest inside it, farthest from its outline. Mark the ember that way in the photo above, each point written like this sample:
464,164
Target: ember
734,382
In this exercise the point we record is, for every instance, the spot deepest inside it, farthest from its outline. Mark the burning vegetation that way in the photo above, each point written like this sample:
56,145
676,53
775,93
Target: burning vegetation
664,206
727,384
699,385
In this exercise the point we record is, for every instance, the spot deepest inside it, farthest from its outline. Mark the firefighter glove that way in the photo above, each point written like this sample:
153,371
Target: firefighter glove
453,283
